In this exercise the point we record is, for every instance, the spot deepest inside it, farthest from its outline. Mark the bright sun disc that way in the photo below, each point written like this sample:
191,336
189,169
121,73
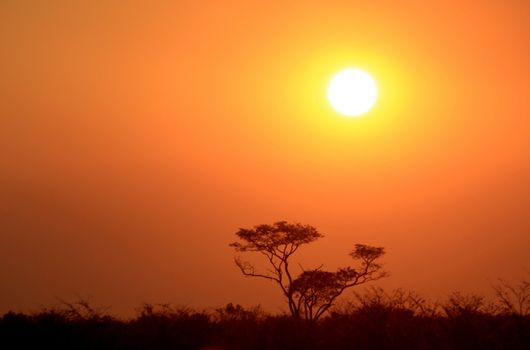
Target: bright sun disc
352,92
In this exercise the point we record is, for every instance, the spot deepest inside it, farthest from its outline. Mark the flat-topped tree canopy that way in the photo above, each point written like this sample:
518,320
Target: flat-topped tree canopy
280,236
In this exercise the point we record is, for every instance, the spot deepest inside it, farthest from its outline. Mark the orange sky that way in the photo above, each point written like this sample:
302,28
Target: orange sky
137,137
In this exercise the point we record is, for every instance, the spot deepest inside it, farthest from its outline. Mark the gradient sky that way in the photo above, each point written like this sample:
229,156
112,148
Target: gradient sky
137,137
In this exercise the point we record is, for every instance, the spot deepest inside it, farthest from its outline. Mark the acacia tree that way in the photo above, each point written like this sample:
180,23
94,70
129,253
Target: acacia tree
277,242
313,292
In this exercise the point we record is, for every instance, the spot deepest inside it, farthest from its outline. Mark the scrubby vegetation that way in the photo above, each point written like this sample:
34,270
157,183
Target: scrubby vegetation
374,319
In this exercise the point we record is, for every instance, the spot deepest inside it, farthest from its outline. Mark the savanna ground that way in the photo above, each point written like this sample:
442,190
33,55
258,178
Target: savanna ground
372,319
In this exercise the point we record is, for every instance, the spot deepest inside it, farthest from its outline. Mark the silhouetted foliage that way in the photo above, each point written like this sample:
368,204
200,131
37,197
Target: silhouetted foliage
460,305
375,319
513,299
313,292
398,300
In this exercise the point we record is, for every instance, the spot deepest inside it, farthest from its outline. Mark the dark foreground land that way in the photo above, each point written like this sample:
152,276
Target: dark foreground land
375,321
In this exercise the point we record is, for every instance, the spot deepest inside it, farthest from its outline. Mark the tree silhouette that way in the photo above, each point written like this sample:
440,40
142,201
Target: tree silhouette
513,299
277,242
316,290
313,292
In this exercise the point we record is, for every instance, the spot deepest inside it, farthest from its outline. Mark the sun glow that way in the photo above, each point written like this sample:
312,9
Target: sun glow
352,92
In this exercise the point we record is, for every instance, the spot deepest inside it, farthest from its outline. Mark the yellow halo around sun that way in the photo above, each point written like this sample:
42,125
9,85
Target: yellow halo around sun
352,92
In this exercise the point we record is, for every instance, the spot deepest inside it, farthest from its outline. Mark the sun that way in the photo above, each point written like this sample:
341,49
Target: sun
352,92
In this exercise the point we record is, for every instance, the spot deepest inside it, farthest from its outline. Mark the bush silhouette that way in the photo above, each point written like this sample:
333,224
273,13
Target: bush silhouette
374,319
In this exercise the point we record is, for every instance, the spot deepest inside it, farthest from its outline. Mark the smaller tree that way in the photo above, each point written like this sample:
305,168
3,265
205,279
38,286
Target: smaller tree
316,290
513,299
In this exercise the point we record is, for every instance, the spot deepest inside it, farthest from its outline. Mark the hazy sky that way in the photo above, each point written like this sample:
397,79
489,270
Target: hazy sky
136,137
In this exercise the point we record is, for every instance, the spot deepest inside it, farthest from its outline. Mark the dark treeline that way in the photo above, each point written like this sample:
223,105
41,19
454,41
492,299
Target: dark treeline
374,320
